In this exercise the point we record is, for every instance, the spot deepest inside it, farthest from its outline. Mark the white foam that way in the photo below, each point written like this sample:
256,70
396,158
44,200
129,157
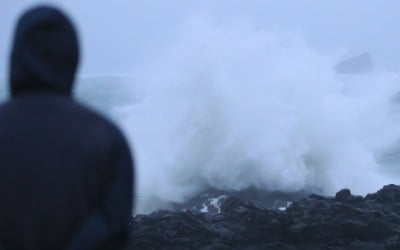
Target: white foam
288,204
204,209
215,202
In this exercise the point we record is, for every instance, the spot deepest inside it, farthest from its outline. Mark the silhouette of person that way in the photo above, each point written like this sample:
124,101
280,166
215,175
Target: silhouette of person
66,173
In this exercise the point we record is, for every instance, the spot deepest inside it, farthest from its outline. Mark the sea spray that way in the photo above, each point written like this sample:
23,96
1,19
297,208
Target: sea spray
237,106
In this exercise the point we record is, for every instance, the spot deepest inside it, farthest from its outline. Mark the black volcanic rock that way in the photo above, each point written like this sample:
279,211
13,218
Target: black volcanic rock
343,195
211,200
316,222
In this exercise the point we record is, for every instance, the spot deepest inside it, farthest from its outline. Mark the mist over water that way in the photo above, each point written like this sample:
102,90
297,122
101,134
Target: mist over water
236,106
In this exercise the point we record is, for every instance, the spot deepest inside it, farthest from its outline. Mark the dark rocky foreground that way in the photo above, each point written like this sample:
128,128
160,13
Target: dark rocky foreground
316,222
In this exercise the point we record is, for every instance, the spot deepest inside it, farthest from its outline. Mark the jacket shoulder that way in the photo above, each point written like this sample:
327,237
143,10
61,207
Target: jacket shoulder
104,126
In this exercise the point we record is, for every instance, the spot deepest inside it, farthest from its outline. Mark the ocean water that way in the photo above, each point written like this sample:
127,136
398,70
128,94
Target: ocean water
236,106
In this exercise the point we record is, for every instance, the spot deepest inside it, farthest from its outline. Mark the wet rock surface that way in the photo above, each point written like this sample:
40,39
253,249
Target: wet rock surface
345,221
211,200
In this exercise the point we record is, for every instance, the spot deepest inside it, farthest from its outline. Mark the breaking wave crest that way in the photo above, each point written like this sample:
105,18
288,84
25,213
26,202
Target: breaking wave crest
234,106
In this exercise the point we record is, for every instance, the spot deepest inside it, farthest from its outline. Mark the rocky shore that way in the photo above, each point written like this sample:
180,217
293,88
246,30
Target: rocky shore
275,221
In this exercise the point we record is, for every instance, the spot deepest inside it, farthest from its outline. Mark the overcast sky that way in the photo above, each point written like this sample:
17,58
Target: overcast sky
118,35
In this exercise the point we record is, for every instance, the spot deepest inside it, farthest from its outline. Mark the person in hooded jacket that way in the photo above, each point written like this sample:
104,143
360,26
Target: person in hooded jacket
66,173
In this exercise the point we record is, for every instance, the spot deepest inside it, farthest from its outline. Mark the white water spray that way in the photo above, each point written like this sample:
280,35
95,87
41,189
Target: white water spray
234,106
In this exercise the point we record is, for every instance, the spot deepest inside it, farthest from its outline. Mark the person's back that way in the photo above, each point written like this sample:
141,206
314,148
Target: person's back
65,172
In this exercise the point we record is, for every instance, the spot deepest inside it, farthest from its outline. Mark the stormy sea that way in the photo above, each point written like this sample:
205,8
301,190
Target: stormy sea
251,139
265,111
264,143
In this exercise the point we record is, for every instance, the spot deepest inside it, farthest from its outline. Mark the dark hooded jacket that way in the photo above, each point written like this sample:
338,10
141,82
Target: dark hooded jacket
65,172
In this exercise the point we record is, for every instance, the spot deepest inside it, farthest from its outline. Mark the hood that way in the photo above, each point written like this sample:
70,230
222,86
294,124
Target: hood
45,53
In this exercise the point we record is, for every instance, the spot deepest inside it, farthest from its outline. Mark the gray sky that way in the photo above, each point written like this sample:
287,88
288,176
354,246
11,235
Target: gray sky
120,35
